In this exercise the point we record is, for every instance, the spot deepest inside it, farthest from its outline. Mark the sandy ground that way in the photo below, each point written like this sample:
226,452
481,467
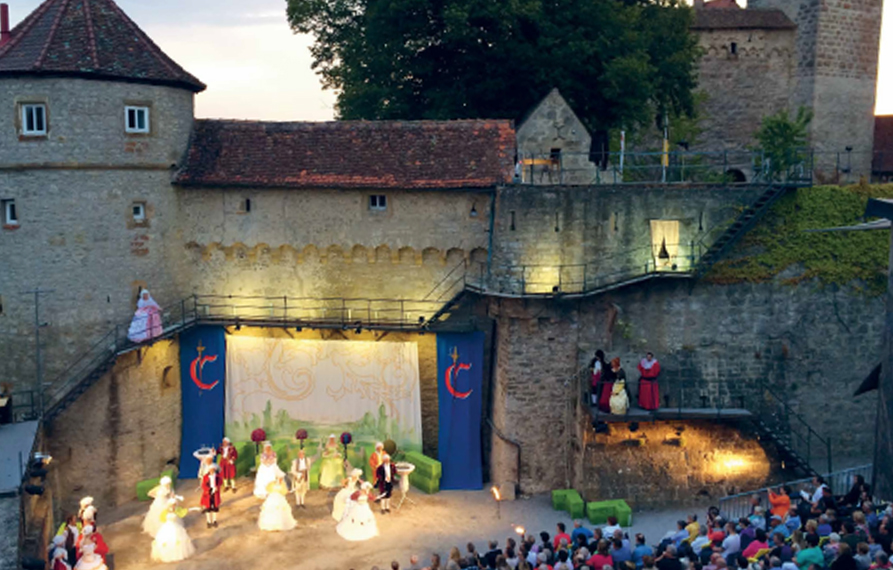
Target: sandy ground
434,524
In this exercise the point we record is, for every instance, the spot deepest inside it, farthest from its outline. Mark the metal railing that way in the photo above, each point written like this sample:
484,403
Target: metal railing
675,167
739,505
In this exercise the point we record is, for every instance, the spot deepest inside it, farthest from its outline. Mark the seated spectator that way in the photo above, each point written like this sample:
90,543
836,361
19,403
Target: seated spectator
824,527
794,522
681,534
621,554
641,551
562,534
602,556
700,541
544,537
781,502
757,519
860,525
826,503
811,527
873,547
471,556
668,560
758,543
648,563
563,562
712,564
580,530
871,517
859,491
780,549
618,535
776,526
453,563
731,544
831,548
844,560
863,556
510,558
851,536
716,534
881,562
489,559
692,527
611,527
810,555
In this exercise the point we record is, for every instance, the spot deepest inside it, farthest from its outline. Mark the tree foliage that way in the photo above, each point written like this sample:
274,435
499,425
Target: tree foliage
783,141
617,62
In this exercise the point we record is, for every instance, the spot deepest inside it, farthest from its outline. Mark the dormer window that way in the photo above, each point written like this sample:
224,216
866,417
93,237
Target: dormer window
34,119
136,119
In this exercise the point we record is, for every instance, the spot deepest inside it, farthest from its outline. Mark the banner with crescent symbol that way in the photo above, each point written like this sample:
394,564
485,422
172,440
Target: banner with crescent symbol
460,359
202,381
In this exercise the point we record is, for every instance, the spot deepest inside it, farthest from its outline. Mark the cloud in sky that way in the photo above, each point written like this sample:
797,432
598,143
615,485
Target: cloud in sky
255,68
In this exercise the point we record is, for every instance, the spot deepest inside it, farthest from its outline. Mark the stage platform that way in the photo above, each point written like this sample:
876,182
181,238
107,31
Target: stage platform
435,523
663,414
16,441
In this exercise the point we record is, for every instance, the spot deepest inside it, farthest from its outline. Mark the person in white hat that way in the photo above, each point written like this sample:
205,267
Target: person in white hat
351,485
377,457
172,542
58,542
161,494
89,560
59,558
87,512
358,522
91,537
228,456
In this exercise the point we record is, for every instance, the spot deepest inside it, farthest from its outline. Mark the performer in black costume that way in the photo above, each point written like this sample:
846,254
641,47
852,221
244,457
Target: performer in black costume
385,476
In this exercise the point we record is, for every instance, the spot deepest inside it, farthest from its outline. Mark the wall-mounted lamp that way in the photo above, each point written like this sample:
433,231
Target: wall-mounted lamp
474,211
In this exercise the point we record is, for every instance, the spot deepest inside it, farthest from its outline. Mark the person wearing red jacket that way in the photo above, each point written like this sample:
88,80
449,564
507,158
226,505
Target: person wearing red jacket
228,456
212,482
91,536
59,559
649,397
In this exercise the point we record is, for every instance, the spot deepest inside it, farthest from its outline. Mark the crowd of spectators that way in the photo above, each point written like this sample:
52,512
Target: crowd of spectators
811,531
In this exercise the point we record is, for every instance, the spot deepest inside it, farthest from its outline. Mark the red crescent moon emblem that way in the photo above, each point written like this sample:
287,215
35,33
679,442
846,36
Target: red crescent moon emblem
451,373
195,370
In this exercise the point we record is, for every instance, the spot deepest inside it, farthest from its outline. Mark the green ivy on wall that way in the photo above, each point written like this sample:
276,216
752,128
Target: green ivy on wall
780,242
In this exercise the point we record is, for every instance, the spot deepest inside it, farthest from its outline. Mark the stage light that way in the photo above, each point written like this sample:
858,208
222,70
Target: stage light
495,492
519,530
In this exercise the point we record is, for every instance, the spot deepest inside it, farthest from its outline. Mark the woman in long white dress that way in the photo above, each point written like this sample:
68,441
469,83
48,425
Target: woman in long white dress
275,514
172,542
146,323
331,468
161,494
342,498
358,522
89,560
267,472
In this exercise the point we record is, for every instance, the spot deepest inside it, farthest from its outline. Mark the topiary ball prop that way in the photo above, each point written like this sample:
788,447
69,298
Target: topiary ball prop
301,435
346,438
258,436
390,447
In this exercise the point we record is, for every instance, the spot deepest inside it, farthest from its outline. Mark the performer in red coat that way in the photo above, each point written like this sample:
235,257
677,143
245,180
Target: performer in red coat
211,485
59,562
228,456
385,476
91,536
649,368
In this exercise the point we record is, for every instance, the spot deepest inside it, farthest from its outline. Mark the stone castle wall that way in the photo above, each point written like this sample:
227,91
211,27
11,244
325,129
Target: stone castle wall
742,88
811,346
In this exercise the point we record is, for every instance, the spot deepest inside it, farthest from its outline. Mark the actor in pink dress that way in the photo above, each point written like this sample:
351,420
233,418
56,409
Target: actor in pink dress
146,323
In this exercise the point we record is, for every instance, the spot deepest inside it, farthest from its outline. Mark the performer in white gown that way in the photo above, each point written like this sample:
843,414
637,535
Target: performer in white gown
90,560
172,542
358,522
146,323
331,468
275,514
351,486
161,494
267,471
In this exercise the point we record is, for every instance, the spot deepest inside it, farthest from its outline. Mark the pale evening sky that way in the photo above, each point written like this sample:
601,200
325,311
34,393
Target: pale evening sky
256,68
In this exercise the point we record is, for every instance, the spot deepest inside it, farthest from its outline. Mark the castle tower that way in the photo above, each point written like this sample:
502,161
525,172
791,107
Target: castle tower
836,75
94,119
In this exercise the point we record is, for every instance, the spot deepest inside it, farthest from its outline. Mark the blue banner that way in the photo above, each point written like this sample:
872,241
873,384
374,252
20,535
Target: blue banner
202,375
460,367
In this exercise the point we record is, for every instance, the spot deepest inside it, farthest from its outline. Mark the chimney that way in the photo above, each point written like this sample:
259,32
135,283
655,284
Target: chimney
4,23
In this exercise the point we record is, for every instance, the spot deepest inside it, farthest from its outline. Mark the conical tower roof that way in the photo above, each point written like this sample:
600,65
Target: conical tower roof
90,39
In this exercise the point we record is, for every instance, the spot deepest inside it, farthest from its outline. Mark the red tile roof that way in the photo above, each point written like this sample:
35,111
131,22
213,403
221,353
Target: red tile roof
92,39
350,154
883,145
738,19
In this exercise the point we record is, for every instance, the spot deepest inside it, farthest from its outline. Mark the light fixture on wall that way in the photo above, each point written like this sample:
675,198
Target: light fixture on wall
474,211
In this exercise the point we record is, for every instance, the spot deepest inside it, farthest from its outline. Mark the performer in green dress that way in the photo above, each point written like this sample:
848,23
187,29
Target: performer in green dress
331,468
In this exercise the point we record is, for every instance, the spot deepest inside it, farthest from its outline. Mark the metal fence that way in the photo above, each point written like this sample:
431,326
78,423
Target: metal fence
736,506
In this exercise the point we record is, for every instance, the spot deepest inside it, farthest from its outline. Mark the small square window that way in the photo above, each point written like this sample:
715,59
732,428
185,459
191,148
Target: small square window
10,215
378,202
136,119
34,119
733,49
139,211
